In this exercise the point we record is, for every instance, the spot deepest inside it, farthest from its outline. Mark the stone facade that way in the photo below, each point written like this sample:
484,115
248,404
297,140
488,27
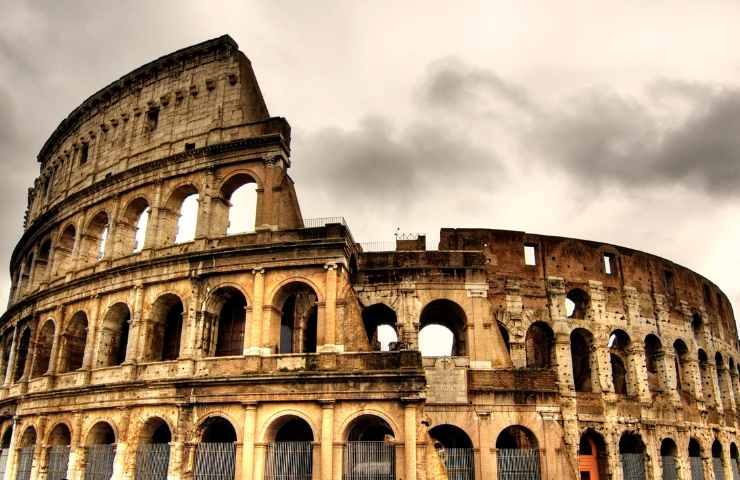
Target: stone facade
121,342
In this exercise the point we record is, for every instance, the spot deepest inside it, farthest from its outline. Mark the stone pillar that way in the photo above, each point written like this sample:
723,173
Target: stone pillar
266,213
11,360
637,371
482,349
205,197
603,361
564,361
74,470
56,345
133,354
695,380
253,340
668,364
330,310
711,370
728,398
409,445
487,460
327,439
119,461
93,327
250,425
12,453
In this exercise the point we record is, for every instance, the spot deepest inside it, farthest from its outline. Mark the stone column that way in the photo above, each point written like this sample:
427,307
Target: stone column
637,371
728,398
695,380
487,460
93,326
12,453
11,360
250,424
668,361
266,212
152,226
119,461
714,385
409,445
202,225
330,309
327,439
253,340
135,332
600,351
74,467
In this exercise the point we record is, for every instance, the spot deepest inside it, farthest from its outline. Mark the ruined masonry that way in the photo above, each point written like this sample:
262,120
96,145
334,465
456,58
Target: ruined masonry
144,340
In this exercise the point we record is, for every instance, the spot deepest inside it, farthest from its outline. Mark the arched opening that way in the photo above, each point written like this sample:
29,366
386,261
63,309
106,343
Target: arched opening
179,221
5,449
718,465
7,343
695,460
668,456
133,225
505,337
734,458
456,450
697,326
95,238
24,463
215,455
166,331
720,371
370,453
653,363
41,267
57,458
435,342
632,456
592,456
74,342
25,280
44,343
153,450
518,454
114,336
576,303
100,452
683,375
297,305
618,356
22,354
380,326
290,450
539,344
230,309
581,343
706,380
239,195
64,250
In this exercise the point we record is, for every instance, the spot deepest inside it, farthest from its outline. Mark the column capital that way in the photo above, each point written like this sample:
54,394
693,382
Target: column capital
330,266
258,271
327,403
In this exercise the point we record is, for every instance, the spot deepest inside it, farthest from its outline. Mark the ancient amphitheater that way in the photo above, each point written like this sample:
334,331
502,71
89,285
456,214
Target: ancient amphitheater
134,346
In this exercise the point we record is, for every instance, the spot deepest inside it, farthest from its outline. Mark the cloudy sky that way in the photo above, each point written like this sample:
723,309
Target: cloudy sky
613,121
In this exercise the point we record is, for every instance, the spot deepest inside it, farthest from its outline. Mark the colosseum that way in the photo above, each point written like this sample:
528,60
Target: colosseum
155,331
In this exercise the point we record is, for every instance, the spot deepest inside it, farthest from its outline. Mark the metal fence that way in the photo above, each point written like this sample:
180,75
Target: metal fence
322,221
697,468
670,468
58,462
3,461
369,461
719,469
99,462
152,461
25,463
215,461
518,464
633,466
735,470
289,461
459,463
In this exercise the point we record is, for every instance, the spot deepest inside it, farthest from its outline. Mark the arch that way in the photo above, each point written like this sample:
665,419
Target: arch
74,343
653,357
100,443
375,318
668,457
581,344
290,428
697,326
22,354
132,227
447,314
505,336
227,309
217,446
155,430
94,241
44,343
618,343
368,427
178,221
6,437
7,344
296,303
29,437
153,449
539,343
516,437
683,375
369,446
60,435
101,433
576,303
592,456
456,449
42,262
451,436
114,336
517,453
217,429
706,380
276,421
64,250
239,194
166,331
718,461
632,456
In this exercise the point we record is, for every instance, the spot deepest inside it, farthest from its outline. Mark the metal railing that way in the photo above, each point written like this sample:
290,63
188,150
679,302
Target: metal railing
369,461
518,464
322,221
459,463
3,461
215,461
25,463
379,246
152,461
735,470
697,468
289,461
633,466
719,469
57,462
99,462
670,468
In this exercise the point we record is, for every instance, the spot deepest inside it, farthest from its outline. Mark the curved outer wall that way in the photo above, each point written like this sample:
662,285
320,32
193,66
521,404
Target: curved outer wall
103,326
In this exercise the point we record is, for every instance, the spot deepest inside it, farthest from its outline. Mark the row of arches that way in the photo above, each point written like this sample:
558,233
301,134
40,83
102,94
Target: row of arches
233,211
593,458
